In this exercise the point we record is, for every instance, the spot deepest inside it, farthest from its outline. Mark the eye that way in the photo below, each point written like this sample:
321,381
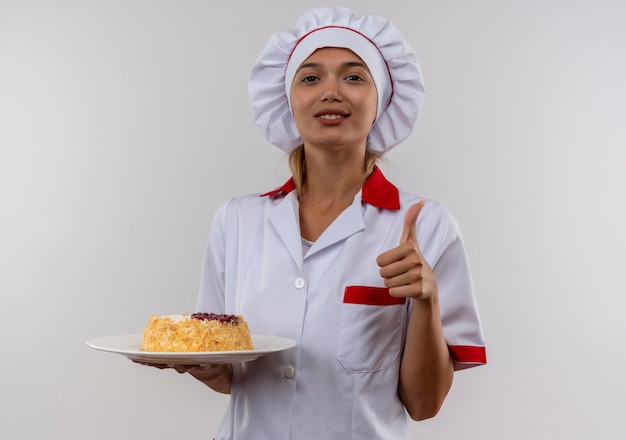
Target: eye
309,78
354,77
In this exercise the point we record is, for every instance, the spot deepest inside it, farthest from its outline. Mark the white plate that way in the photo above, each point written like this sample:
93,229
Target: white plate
128,345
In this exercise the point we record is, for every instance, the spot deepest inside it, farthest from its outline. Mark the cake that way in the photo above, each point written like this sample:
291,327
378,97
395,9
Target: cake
196,332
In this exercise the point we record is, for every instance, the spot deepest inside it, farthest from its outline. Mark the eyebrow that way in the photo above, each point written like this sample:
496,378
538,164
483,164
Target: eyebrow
346,64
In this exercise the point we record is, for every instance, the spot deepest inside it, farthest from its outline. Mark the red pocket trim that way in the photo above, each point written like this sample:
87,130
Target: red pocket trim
371,296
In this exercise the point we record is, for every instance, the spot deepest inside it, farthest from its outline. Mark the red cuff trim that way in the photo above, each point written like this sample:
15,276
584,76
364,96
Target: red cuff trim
468,354
371,296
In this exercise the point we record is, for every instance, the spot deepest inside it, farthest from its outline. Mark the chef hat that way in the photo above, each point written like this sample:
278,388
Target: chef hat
391,61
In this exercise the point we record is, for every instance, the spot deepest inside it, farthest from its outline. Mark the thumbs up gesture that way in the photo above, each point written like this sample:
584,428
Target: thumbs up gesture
406,272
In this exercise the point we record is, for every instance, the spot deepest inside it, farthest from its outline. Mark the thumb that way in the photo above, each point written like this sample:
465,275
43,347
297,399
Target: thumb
410,219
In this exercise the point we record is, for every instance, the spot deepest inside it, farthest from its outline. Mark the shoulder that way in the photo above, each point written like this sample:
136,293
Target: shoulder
433,211
436,227
236,206
249,201
249,207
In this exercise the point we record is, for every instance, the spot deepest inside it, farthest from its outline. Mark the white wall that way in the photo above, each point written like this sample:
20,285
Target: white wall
124,124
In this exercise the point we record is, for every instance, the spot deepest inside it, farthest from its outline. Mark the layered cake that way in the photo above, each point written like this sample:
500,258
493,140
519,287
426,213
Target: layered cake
196,332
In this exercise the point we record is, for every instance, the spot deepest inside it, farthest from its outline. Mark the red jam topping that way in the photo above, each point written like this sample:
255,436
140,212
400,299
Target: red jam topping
233,319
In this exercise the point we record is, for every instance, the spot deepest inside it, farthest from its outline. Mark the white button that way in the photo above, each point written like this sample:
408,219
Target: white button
288,372
299,283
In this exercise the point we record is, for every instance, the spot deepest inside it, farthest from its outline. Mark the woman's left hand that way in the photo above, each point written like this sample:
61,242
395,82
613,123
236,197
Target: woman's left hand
404,268
426,369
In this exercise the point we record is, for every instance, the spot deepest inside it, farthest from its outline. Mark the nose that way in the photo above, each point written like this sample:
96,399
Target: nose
330,93
330,96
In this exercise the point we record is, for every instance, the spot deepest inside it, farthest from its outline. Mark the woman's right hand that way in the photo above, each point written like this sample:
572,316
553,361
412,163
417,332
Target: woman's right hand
218,377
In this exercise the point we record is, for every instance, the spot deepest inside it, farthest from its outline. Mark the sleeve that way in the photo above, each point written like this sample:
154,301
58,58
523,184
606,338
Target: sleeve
211,296
460,318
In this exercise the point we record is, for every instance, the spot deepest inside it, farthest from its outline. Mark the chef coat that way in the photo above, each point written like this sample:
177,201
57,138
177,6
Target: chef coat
341,379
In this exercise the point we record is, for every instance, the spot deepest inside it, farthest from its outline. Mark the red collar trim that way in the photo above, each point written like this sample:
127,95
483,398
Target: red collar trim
289,186
376,191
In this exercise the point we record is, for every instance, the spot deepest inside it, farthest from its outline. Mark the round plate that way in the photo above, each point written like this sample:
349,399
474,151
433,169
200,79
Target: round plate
129,346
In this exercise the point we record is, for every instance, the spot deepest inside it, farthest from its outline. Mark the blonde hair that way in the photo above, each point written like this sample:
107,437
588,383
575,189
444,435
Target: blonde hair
297,165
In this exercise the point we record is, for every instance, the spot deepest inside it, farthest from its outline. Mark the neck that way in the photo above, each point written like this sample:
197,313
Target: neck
333,177
331,182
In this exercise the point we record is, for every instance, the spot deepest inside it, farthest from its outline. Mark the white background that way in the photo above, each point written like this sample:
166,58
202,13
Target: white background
124,124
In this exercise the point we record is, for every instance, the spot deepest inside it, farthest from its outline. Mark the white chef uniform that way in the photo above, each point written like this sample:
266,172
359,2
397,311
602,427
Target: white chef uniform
340,381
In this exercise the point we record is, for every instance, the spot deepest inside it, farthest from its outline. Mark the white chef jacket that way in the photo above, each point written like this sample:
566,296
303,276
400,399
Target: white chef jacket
340,381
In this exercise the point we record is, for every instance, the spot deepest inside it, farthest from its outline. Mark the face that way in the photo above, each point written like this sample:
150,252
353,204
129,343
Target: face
333,99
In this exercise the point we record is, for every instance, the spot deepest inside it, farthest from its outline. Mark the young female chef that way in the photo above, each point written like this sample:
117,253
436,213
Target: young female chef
370,280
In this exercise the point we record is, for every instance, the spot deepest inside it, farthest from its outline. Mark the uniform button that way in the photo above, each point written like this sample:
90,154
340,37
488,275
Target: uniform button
288,372
299,283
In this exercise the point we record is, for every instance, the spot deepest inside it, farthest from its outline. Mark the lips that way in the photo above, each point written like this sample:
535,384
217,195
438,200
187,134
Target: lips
330,116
